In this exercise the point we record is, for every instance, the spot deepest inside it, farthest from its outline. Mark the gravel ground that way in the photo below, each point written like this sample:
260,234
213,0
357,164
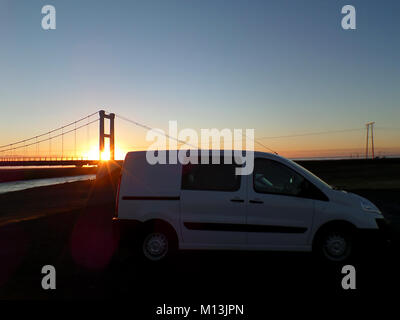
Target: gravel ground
77,240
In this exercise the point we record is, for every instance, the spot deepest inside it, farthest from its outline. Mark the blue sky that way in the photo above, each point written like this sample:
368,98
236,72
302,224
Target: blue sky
280,67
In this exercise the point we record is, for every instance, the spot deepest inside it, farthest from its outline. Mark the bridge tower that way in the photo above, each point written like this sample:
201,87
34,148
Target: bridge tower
110,135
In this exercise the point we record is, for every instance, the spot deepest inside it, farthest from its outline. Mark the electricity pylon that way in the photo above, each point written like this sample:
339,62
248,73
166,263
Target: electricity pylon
370,125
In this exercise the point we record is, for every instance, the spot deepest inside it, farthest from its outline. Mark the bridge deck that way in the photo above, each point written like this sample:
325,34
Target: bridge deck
24,163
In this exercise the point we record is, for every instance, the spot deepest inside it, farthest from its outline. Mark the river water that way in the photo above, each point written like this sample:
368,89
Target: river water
27,184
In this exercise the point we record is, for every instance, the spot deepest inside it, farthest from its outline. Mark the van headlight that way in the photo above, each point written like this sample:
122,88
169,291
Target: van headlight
369,206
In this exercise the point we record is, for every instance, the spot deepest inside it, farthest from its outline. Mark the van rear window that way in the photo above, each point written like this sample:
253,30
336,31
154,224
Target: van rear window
215,177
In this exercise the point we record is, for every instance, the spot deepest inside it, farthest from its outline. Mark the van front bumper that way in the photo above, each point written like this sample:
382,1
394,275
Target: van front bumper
375,238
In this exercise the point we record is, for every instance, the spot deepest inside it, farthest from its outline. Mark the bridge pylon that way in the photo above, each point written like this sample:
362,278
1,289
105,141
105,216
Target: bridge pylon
110,135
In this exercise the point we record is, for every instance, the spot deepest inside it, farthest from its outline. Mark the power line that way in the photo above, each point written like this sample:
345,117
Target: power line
261,144
258,142
310,134
387,128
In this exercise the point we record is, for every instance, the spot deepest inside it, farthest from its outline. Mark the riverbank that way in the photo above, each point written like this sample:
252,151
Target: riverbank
43,201
17,174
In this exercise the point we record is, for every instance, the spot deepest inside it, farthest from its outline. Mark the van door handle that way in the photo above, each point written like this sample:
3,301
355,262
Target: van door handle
256,201
237,200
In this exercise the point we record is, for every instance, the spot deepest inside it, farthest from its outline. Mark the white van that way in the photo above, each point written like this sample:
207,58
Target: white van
280,206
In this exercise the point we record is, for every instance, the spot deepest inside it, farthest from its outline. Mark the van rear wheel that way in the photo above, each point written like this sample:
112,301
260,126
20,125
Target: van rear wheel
159,242
155,246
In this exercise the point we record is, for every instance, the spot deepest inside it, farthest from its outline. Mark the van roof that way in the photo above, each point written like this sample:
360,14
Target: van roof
256,153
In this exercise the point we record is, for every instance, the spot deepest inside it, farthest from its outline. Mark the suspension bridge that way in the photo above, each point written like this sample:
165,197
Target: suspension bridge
59,147
49,148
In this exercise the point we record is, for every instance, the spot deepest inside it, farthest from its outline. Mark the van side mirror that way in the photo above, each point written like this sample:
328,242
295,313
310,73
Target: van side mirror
309,190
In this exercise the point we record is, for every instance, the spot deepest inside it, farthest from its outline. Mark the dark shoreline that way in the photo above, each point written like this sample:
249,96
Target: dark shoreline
7,175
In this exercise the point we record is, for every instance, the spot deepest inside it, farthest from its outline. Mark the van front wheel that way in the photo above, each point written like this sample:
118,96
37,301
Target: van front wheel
335,245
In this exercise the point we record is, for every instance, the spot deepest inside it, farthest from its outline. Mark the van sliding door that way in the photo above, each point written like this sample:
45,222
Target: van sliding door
212,203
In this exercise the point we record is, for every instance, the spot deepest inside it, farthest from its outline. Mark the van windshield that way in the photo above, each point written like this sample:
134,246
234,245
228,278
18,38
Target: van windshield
310,173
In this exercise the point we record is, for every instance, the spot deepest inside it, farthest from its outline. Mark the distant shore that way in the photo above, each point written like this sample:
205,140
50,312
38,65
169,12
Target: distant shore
348,173
357,173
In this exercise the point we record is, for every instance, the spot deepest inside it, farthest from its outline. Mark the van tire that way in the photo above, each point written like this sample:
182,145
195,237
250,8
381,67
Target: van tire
334,244
159,242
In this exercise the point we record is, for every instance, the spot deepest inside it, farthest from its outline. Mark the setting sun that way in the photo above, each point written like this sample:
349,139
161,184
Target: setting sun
105,155
93,153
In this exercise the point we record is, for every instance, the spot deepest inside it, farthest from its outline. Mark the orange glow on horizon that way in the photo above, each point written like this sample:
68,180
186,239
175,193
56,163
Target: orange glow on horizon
93,153
319,146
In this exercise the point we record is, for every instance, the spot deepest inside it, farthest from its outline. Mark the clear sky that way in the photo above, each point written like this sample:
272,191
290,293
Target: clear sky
280,67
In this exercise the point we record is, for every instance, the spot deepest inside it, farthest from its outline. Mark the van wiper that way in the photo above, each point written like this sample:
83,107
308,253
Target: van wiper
340,188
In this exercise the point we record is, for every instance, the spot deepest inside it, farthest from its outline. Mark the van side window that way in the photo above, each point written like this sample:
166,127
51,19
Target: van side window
216,177
273,177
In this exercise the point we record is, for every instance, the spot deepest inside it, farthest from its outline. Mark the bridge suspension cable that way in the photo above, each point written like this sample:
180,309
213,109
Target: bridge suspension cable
181,141
15,145
48,133
150,128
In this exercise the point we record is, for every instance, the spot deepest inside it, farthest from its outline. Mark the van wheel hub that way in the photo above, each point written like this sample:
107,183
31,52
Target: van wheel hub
155,246
335,245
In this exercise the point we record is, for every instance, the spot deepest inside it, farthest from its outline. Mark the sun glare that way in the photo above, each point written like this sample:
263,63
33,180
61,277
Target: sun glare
93,153
105,155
